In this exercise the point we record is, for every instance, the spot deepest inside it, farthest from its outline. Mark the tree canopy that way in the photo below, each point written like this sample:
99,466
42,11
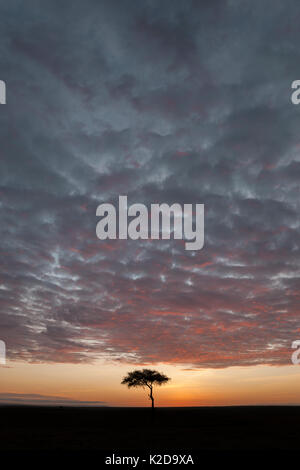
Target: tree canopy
145,378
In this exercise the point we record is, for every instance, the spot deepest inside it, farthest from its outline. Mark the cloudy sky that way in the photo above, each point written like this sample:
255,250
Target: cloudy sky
173,101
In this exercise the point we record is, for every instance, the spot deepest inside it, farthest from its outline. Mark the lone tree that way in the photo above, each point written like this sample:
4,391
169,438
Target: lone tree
145,378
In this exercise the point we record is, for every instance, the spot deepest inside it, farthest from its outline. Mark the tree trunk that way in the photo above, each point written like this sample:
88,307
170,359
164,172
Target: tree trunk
151,398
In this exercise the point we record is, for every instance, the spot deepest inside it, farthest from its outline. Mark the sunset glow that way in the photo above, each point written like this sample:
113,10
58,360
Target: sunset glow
99,384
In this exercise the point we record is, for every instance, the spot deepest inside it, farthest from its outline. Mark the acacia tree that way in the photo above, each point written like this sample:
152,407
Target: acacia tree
145,378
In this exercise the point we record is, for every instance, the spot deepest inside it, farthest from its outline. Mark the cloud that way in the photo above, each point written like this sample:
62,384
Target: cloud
187,102
45,400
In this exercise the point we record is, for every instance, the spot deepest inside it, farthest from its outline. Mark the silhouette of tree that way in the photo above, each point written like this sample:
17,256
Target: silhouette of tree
145,378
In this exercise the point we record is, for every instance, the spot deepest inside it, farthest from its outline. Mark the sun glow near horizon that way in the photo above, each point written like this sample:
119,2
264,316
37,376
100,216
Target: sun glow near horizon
100,383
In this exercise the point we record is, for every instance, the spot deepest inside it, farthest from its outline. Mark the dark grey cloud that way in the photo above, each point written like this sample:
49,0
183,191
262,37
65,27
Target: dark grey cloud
183,102
44,400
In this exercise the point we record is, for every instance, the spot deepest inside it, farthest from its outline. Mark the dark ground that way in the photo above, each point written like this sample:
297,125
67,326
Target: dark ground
129,431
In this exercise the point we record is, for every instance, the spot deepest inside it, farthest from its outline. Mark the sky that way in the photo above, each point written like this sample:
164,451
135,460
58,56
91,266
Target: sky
165,102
